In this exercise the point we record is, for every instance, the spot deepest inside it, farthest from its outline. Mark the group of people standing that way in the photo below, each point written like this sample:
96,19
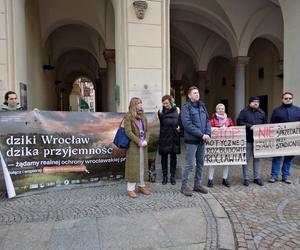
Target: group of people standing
194,123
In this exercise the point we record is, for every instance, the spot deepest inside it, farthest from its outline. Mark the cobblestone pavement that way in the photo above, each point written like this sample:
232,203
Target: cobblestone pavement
100,202
265,217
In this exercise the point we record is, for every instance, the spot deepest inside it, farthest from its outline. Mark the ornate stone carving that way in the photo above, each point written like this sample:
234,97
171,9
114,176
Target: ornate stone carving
140,8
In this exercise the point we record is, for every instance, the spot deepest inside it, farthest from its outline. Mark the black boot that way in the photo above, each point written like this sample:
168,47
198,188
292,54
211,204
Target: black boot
165,180
173,164
172,180
164,165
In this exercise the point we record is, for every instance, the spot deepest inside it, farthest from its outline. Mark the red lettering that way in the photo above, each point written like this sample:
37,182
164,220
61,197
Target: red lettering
265,132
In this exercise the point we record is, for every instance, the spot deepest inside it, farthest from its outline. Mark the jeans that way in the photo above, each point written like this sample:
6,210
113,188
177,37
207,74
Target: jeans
256,163
285,169
193,151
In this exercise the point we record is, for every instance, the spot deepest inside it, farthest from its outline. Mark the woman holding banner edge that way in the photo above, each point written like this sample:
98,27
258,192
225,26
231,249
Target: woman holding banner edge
219,119
135,124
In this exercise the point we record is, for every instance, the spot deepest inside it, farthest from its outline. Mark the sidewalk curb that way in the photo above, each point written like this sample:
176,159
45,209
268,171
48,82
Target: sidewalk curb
224,227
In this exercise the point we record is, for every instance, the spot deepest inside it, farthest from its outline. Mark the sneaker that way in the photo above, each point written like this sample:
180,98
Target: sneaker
131,194
226,182
144,190
186,191
287,181
272,180
258,181
210,183
246,183
201,189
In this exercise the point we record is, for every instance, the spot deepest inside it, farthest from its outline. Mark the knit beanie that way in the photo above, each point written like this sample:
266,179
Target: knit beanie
253,98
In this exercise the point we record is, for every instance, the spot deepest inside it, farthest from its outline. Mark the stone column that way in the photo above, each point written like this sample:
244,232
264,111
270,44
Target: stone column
109,55
240,65
201,82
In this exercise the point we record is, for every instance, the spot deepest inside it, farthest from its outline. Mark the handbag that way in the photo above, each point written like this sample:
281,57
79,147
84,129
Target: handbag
121,140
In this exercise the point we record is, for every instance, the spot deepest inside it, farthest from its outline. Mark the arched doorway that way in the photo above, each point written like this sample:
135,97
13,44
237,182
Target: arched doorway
64,44
82,96
265,78
217,41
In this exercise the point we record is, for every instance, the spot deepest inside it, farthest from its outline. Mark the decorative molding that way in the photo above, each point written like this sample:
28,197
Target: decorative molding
140,8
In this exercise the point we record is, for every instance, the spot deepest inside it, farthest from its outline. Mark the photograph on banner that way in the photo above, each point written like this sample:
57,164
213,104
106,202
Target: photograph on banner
45,149
227,146
276,139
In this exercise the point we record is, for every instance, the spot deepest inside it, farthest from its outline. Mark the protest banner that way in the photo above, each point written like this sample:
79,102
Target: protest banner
42,149
278,139
227,146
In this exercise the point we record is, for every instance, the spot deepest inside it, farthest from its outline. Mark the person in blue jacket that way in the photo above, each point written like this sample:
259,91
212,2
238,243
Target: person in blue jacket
286,112
197,131
249,116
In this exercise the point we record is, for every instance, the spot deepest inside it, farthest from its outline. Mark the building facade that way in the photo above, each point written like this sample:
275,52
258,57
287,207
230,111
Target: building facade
230,49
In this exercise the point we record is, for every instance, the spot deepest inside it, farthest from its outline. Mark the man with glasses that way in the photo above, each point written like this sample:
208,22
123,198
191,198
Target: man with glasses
10,103
286,112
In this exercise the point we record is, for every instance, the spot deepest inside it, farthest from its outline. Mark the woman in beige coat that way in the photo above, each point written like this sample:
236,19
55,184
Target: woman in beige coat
136,166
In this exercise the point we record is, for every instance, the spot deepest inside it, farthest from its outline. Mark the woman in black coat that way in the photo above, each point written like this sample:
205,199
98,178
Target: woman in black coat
169,140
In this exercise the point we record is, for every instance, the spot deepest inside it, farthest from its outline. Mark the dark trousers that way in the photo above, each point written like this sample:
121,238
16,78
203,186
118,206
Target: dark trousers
164,164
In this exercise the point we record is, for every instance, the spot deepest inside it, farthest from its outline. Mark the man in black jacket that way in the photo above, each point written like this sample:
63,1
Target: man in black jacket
249,116
286,112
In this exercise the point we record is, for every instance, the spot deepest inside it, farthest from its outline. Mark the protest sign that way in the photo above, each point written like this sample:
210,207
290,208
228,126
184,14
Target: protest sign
227,146
278,139
41,149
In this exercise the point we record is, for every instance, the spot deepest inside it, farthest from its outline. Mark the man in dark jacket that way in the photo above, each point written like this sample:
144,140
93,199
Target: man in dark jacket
249,116
286,112
197,131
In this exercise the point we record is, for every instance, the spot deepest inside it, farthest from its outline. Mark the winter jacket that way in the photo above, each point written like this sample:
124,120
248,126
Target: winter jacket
249,117
195,121
5,107
214,122
285,113
169,141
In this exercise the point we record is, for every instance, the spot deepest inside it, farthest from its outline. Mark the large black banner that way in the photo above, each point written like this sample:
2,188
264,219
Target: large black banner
41,149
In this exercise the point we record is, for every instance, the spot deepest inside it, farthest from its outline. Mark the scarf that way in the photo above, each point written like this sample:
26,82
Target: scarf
139,114
222,119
